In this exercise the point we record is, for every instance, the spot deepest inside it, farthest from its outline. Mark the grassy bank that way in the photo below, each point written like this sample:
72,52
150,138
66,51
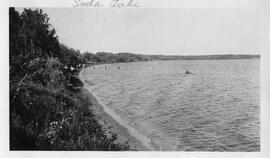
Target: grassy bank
59,122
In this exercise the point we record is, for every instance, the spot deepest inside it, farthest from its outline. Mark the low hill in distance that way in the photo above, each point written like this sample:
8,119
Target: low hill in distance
106,57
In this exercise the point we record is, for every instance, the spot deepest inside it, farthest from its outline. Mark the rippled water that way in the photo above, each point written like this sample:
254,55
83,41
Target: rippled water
217,108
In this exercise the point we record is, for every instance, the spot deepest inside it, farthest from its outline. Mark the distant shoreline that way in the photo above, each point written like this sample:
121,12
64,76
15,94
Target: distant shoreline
107,57
205,57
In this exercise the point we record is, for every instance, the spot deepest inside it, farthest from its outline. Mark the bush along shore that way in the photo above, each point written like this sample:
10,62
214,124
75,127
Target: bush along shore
47,110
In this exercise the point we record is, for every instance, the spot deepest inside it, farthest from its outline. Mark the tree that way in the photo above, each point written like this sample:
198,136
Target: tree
44,113
31,37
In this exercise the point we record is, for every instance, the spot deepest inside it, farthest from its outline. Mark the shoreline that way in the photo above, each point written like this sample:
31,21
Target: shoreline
114,123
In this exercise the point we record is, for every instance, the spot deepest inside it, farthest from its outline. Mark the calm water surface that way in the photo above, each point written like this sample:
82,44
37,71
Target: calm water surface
217,108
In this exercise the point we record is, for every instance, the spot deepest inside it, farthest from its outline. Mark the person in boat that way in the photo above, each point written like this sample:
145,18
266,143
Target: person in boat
188,72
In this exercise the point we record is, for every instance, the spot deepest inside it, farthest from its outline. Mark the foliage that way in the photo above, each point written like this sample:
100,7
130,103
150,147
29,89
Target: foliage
70,56
105,57
44,113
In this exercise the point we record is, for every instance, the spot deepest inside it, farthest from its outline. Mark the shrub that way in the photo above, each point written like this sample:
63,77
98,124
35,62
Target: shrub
44,113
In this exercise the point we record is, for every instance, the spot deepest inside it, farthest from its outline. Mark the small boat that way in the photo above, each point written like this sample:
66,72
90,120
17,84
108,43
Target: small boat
188,72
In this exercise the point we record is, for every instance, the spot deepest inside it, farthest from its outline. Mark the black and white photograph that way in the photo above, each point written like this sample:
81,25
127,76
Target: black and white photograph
121,76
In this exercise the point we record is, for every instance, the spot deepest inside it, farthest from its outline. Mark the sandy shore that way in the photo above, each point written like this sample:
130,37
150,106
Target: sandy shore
111,124
111,121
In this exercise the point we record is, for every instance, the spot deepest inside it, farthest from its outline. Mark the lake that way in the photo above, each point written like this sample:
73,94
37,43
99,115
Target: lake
216,108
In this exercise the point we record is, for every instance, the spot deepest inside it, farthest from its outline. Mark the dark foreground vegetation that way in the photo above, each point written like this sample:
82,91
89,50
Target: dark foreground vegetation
47,112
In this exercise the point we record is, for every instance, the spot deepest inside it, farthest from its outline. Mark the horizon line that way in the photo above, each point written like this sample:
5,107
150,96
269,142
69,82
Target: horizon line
169,54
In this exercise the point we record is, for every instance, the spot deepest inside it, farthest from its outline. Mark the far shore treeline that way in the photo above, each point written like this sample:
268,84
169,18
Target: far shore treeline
130,57
47,108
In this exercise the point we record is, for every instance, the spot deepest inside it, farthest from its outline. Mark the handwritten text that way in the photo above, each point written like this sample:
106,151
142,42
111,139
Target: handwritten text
111,3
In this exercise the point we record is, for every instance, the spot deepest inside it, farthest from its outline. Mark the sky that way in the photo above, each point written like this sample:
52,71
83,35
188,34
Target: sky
171,31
